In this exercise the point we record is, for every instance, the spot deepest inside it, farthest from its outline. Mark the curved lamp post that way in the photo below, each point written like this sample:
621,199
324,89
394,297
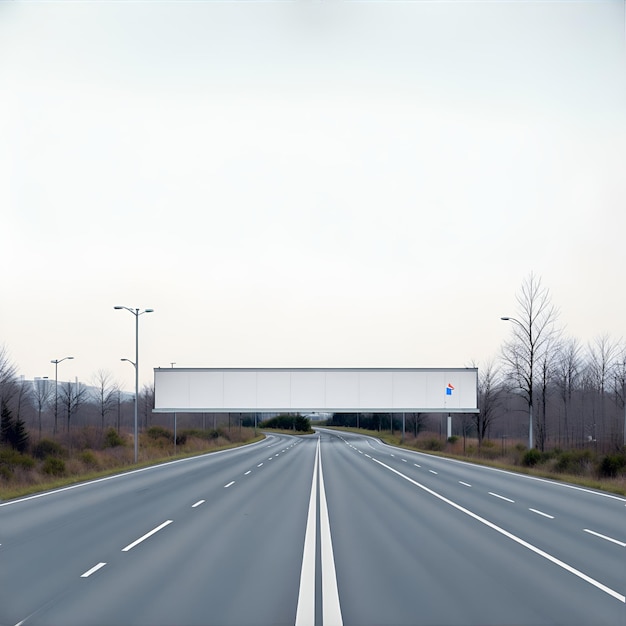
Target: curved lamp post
56,385
530,396
136,313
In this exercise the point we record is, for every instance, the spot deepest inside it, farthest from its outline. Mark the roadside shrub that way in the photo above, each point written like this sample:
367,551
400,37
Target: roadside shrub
158,432
611,465
10,459
531,457
198,433
89,458
112,439
573,462
432,444
47,447
453,439
54,466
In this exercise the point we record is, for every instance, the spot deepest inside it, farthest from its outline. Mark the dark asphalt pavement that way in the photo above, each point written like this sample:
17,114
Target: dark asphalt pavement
325,529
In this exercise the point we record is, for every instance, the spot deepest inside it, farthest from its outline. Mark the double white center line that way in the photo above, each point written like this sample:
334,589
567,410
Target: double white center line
331,609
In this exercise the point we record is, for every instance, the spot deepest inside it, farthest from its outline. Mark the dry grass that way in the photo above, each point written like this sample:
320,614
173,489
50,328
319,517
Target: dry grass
85,458
508,456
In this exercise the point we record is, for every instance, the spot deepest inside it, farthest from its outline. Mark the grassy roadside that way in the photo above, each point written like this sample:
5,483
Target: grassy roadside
510,459
151,454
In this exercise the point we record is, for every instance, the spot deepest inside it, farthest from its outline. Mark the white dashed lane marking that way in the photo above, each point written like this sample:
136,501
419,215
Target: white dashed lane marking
130,546
593,532
495,495
91,571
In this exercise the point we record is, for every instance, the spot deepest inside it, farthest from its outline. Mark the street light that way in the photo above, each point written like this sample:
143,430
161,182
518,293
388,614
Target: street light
56,384
530,390
136,313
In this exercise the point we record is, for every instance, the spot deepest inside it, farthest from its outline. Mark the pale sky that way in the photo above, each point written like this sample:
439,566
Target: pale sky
312,183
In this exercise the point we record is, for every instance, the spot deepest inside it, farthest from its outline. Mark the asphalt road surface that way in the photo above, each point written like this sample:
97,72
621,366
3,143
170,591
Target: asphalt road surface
324,529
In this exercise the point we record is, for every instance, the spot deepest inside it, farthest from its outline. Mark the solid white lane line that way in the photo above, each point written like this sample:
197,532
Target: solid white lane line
592,532
248,472
462,483
331,609
130,546
495,495
515,538
95,568
198,503
305,611
542,513
232,482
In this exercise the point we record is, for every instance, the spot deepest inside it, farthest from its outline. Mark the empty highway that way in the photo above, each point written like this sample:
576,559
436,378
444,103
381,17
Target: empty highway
325,529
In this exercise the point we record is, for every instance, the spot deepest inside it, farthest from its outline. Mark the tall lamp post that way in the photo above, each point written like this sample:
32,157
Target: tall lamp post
136,313
56,387
530,390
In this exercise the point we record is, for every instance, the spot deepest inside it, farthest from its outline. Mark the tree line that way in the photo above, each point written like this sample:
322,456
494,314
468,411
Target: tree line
41,406
544,387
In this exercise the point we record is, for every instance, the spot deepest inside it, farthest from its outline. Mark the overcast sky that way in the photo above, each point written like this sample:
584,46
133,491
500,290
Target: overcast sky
305,183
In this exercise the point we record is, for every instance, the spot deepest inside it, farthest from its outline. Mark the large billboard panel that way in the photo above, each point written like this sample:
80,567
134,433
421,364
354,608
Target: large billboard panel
268,390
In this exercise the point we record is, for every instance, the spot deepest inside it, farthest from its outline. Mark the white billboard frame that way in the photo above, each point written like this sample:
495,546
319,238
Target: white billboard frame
323,390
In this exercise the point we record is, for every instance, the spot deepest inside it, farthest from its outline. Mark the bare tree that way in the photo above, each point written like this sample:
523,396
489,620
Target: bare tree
118,407
619,378
72,395
489,399
106,394
42,392
547,367
602,357
416,421
567,373
532,331
8,376
23,393
588,425
146,403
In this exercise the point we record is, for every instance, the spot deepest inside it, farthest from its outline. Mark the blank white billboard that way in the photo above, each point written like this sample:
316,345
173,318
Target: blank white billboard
269,390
